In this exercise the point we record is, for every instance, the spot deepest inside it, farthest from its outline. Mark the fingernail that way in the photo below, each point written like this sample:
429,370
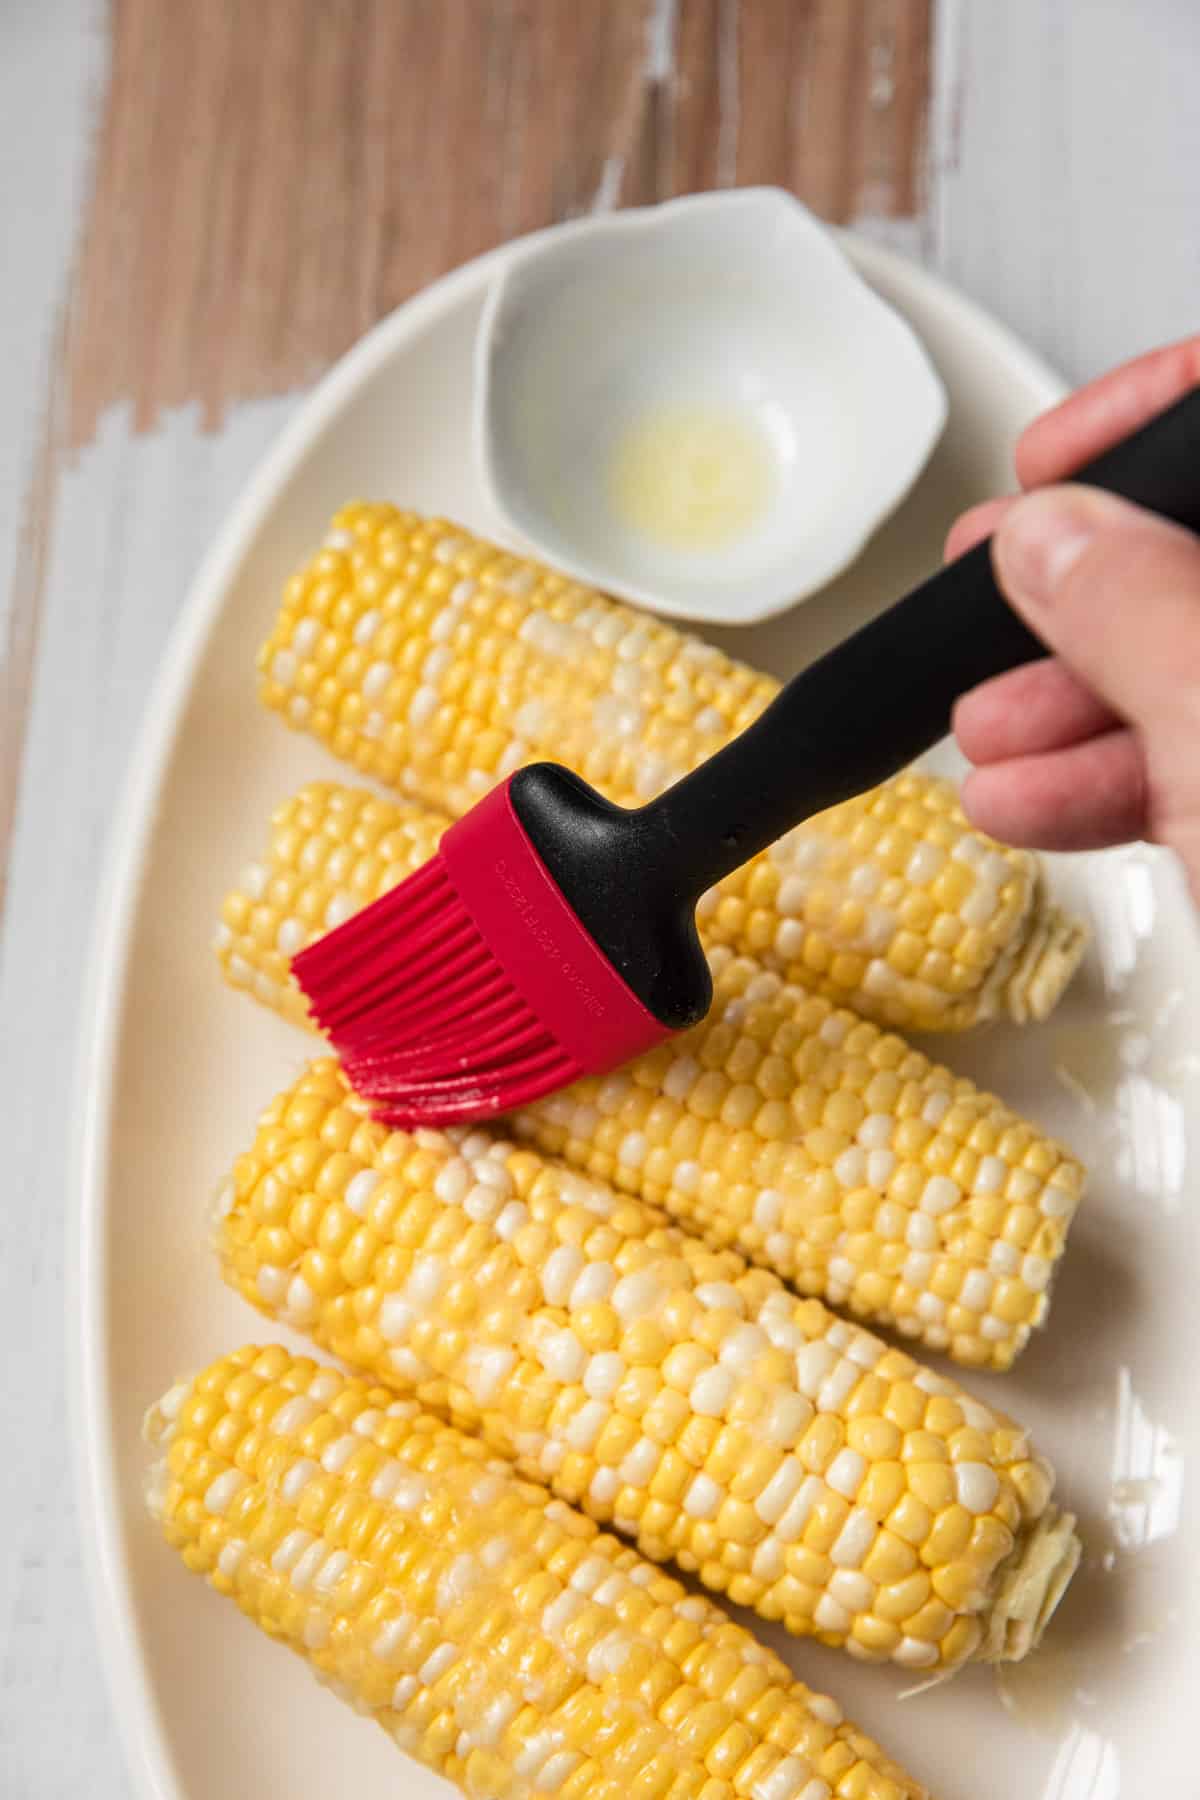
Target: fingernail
1038,542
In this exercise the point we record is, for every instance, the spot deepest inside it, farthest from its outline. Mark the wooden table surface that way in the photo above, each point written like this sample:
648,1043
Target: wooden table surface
205,204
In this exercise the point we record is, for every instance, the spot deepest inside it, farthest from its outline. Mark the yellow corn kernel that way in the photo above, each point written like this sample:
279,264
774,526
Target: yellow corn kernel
933,1484
963,1638
901,1599
1032,1481
905,1406
878,1439
931,1622
889,1559
883,1488
911,1520
957,1583
878,1636
947,1537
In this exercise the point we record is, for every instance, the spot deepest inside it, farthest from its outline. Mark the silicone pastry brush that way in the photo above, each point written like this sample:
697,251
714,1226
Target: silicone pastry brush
554,936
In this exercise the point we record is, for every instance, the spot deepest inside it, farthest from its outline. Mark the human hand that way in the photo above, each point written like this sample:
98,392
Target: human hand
1100,742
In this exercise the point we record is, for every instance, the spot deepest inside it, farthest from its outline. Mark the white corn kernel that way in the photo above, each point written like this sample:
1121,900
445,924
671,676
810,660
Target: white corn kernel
939,1195
846,1473
795,1518
775,1497
853,1540
222,1491
978,1486
703,1498
830,1616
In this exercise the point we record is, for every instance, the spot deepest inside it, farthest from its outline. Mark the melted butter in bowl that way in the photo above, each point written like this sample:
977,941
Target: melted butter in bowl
692,478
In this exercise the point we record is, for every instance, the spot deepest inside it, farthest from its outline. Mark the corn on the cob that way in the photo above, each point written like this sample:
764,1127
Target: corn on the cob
821,1148
439,664
495,1634
790,1458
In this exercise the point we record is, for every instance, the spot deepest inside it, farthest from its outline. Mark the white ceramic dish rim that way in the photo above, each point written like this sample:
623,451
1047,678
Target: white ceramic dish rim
148,1758
779,588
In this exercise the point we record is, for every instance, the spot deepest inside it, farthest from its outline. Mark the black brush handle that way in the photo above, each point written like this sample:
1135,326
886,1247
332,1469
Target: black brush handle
876,701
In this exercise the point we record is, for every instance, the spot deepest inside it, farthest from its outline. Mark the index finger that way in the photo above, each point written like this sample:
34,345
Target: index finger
1101,414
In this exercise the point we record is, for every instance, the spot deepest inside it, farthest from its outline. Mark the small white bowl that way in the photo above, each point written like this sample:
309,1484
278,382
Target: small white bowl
699,406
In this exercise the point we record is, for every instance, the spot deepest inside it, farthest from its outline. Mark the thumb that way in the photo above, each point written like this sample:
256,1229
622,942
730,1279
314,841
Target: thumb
1115,592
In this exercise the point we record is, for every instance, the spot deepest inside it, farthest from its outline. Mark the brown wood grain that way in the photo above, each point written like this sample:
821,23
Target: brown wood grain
271,177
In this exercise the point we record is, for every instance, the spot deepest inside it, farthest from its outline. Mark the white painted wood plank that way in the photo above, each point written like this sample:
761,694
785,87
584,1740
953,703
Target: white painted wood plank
133,517
1065,170
51,68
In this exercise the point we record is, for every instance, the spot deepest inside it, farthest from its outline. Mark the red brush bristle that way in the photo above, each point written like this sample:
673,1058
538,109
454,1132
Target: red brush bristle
471,988
428,1026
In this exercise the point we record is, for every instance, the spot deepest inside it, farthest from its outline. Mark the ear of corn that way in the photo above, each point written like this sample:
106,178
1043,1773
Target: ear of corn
440,664
494,1634
818,1146
788,1458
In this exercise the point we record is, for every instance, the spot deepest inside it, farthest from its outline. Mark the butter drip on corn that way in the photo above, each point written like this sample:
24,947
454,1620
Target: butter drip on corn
818,1146
789,1458
493,1633
440,664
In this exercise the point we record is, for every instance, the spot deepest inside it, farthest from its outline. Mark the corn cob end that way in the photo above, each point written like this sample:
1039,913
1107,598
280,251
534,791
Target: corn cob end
1031,1587
1047,962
